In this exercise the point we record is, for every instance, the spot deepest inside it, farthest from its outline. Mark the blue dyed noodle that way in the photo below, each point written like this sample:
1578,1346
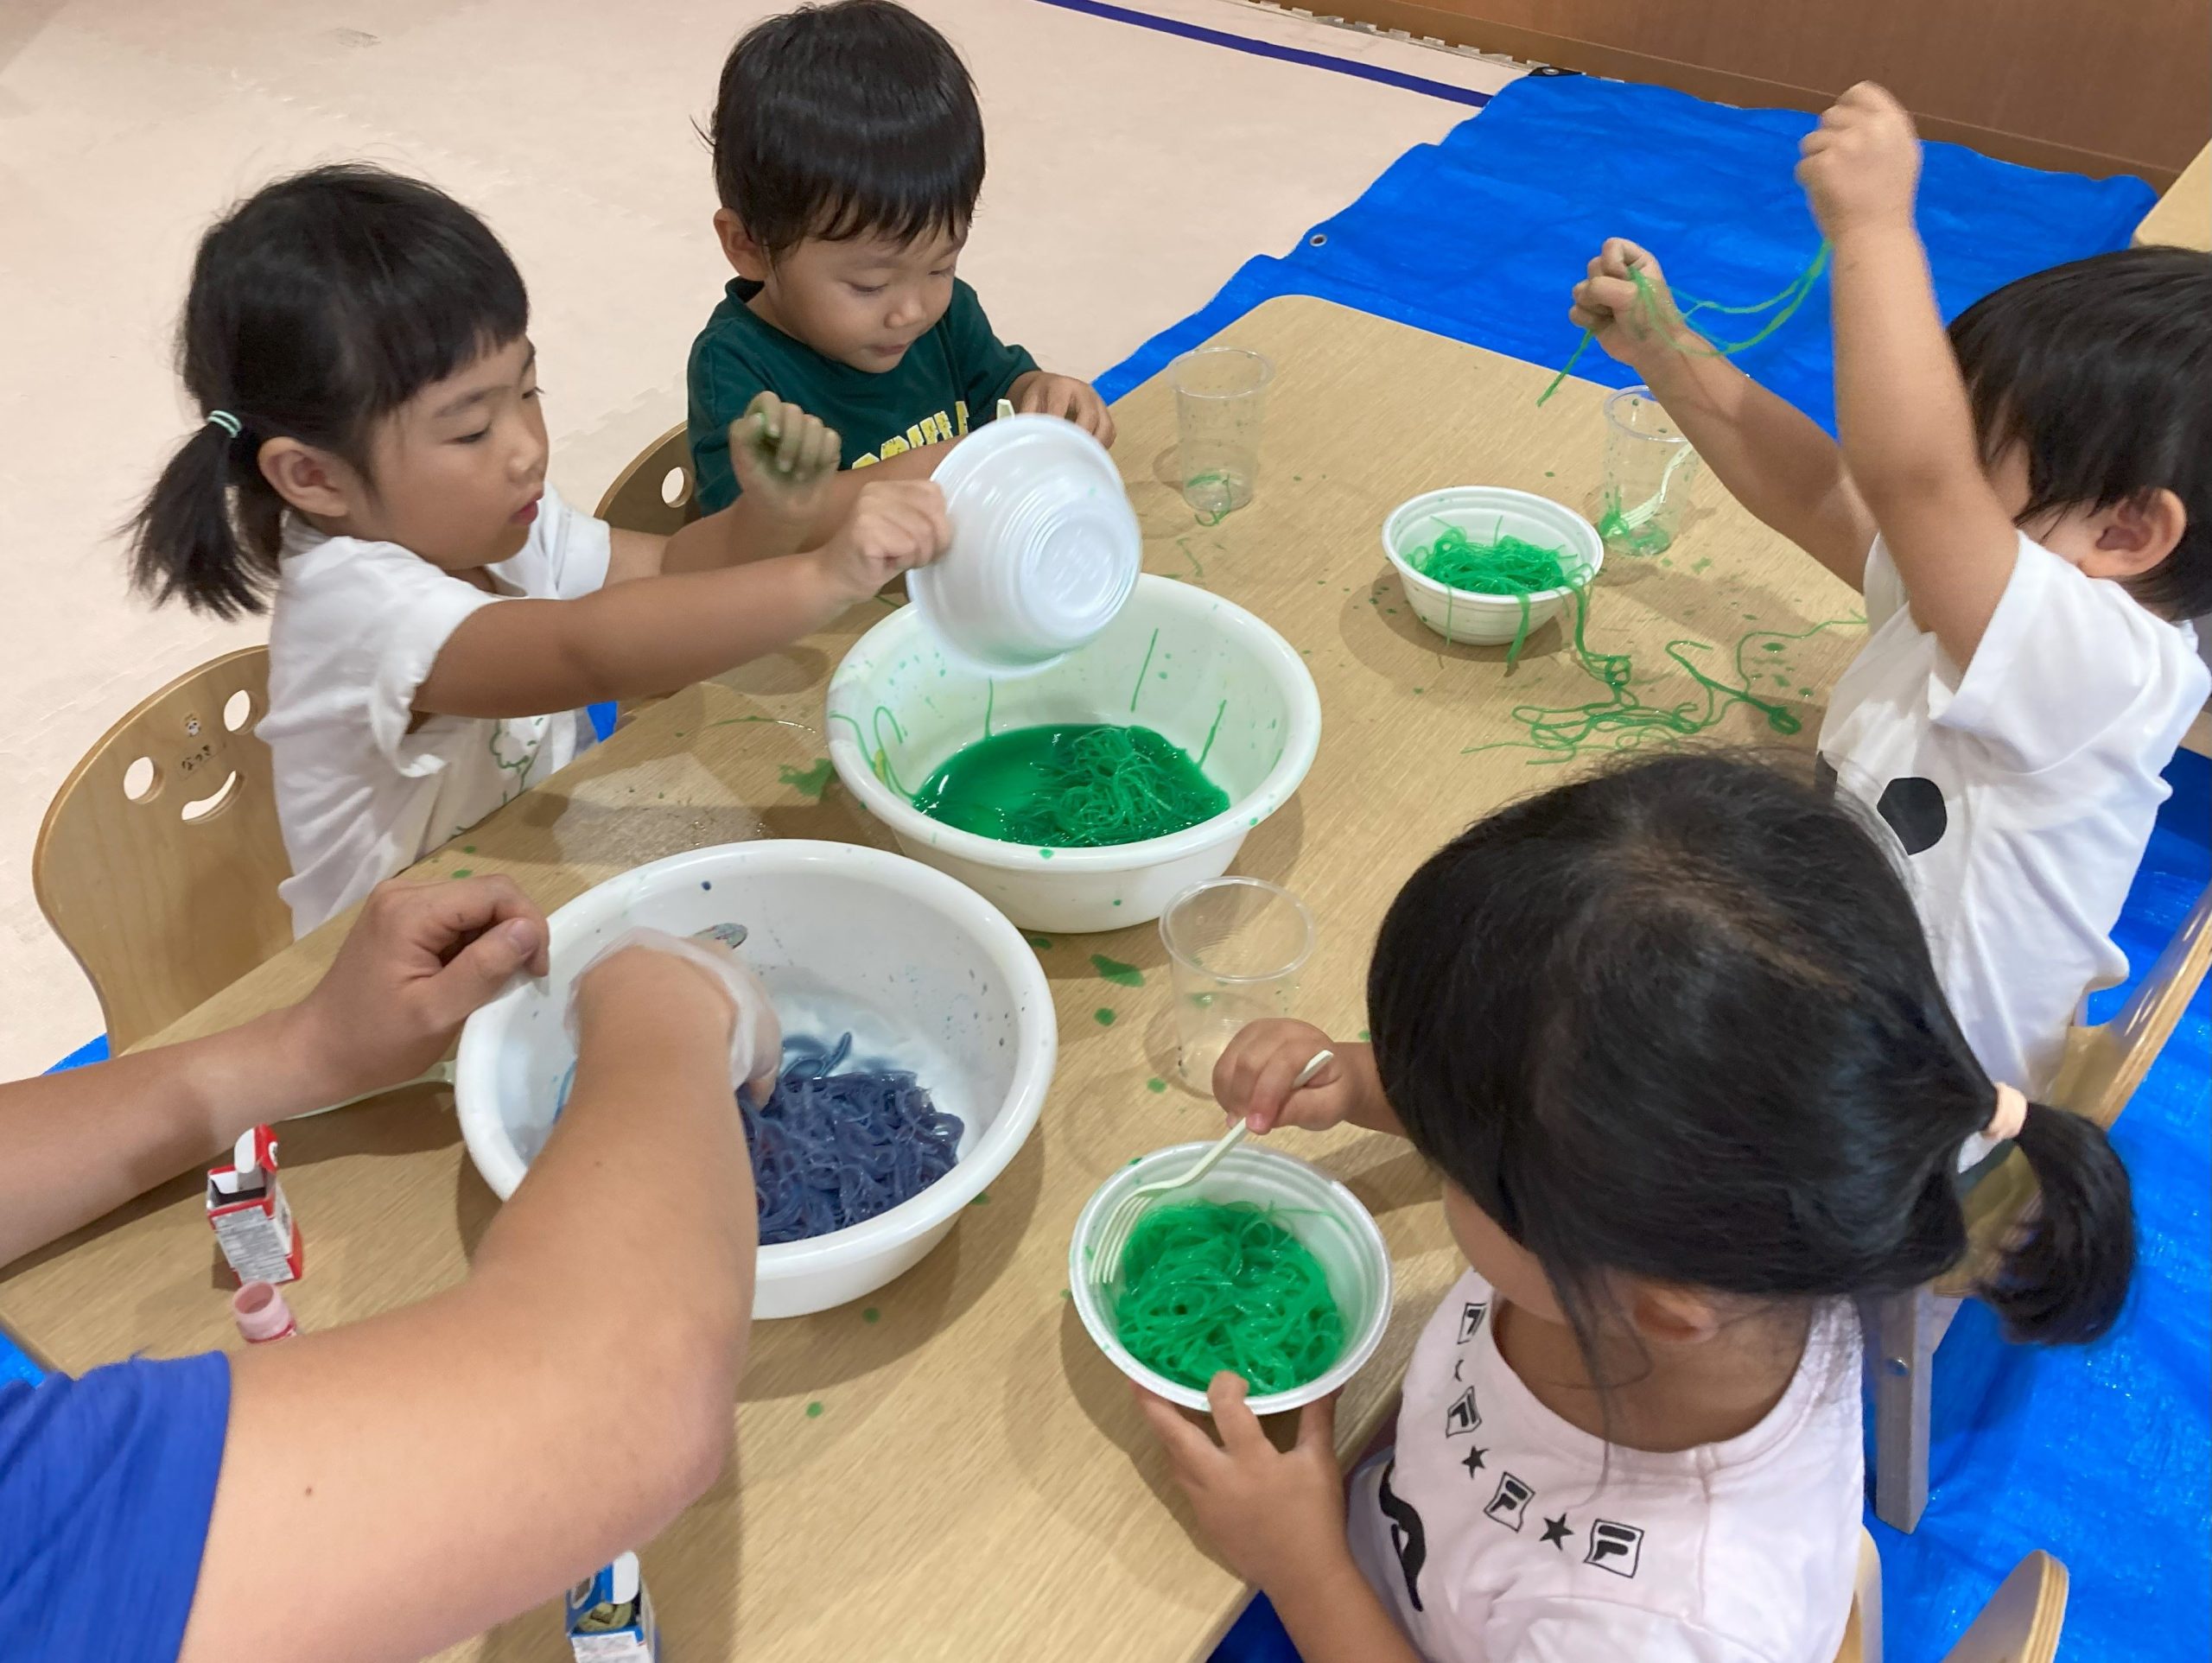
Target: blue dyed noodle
830,1150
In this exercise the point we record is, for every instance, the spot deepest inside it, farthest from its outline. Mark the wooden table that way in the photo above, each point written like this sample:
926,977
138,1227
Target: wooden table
950,1469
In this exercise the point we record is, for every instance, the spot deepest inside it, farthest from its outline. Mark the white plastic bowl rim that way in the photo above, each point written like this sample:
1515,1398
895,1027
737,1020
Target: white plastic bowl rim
1303,724
1161,1163
1438,502
1001,1140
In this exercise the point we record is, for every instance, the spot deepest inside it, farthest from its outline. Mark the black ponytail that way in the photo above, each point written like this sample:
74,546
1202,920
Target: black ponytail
319,304
1678,1021
2065,1282
185,543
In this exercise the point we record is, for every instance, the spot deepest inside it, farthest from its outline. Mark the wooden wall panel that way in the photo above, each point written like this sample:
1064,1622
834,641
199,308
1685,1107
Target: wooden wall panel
2121,86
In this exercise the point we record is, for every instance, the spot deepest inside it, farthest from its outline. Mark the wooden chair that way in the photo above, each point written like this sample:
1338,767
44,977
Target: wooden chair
159,859
659,492
2104,1063
2020,1624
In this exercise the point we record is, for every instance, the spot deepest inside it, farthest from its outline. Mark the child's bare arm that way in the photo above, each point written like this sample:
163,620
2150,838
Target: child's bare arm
1901,407
1770,454
634,639
754,523
793,498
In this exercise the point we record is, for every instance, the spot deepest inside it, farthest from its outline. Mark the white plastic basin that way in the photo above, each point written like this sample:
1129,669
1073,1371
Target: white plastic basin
1197,668
916,965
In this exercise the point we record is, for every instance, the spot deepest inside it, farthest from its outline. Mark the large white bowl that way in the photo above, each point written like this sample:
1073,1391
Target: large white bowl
1483,512
916,965
1327,1217
1197,668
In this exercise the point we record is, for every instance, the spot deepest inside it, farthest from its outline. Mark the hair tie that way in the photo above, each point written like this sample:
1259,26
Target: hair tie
2012,1114
226,420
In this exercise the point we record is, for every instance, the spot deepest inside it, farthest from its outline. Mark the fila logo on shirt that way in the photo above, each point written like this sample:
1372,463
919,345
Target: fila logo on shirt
1462,1417
1470,1320
1510,1505
1614,1547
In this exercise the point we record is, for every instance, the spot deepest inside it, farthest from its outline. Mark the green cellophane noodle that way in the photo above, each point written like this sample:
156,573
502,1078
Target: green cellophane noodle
1205,1287
1077,787
1502,565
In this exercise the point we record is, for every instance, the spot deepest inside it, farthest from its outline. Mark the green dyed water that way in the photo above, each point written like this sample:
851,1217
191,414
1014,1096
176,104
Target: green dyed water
1074,785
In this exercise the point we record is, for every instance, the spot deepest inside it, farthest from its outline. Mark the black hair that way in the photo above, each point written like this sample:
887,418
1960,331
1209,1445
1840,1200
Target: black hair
319,304
2098,369
844,120
1678,1021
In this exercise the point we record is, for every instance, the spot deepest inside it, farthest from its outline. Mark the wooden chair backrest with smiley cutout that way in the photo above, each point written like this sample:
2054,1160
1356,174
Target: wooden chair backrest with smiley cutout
160,856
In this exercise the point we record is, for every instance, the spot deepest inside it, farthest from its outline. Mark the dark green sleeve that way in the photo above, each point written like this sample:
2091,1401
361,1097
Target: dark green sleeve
985,366
722,381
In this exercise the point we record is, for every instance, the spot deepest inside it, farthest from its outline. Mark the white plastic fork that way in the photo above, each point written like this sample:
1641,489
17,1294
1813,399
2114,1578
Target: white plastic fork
1114,1239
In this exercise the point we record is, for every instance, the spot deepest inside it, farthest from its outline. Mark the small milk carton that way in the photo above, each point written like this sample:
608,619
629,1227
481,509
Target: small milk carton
611,1616
253,1221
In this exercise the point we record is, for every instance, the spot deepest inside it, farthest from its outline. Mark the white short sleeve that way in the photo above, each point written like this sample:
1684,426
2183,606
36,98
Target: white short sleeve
1881,587
566,556
2066,659
1577,1631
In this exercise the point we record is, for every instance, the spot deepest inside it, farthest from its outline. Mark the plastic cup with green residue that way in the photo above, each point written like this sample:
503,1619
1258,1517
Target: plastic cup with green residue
1235,948
1649,471
1220,396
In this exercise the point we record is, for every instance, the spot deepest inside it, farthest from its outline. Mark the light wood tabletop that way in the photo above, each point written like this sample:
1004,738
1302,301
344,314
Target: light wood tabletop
950,1469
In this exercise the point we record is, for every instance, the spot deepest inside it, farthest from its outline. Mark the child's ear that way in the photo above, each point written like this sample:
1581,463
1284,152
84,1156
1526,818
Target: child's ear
2135,535
1666,1313
746,257
309,480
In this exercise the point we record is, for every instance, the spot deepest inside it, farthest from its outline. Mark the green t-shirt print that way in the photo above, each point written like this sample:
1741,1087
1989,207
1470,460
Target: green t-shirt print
951,380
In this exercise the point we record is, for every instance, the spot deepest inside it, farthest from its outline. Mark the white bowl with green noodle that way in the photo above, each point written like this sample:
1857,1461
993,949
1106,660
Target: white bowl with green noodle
1198,670
1485,513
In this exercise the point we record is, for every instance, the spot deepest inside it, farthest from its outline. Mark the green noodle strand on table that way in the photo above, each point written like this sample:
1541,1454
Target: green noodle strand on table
1204,1286
1077,785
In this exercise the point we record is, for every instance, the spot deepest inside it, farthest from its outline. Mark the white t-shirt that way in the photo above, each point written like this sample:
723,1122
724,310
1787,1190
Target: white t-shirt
1497,1533
355,628
2023,791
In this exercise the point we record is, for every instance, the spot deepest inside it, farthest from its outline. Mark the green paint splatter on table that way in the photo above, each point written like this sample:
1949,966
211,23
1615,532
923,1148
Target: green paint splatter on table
1363,1036
982,1199
814,1410
1126,976
1155,1084
464,871
1104,1016
871,1315
1041,942
468,848
807,782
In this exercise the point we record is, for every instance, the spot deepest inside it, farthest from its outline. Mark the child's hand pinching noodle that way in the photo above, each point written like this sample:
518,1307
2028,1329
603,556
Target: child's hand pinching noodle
777,447
1861,164
1257,1073
1611,305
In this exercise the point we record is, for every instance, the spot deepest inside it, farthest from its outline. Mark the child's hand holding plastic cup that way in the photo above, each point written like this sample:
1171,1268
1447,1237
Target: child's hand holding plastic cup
756,1040
1255,1077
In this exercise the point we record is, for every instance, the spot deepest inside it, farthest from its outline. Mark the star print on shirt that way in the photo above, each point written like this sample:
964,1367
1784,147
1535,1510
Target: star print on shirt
1555,1531
1474,1460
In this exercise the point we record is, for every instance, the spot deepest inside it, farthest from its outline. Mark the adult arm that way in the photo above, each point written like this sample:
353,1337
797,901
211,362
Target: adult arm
1901,407
1770,454
393,1486
419,959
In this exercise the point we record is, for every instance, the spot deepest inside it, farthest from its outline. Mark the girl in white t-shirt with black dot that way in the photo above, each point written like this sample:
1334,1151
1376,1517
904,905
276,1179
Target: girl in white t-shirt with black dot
373,452
1673,1040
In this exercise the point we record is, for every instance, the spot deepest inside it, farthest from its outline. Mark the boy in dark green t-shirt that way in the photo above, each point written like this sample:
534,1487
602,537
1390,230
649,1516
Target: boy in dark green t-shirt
849,154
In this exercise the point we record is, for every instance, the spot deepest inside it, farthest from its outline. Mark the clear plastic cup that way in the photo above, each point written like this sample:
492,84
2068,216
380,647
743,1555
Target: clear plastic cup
1219,392
1234,948
1649,468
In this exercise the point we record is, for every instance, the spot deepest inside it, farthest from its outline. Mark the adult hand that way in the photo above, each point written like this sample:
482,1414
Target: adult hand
1253,1077
1610,303
1276,1515
420,959
895,524
1861,164
1065,396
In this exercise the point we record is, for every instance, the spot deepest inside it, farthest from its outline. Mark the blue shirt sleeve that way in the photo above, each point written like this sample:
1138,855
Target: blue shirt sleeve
106,1484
